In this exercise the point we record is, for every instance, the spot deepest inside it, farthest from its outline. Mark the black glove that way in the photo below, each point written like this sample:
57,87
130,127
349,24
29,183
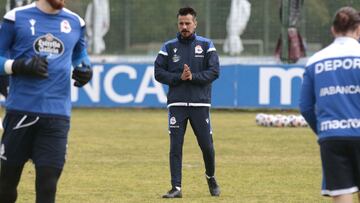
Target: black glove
36,67
82,74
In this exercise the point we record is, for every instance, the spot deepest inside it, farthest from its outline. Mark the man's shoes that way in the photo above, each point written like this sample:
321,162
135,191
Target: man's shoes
173,193
213,186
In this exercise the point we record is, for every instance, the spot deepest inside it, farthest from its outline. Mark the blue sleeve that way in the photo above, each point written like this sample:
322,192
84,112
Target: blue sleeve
2,65
81,57
7,33
308,100
162,74
80,54
211,72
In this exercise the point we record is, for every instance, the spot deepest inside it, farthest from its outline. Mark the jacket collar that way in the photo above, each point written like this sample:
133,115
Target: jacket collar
185,40
344,39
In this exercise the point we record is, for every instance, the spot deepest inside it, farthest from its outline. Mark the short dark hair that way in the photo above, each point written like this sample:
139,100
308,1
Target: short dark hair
185,11
346,19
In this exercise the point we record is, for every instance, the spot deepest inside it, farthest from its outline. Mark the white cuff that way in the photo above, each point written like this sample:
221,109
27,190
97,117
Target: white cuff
8,66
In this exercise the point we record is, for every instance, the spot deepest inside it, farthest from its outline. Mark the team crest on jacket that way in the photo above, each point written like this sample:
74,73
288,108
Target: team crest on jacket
65,26
198,49
48,45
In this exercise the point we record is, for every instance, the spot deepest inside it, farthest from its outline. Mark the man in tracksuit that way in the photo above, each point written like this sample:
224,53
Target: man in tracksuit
188,64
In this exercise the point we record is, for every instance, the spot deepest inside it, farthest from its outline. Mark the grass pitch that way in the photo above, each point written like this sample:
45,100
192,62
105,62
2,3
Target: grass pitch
121,155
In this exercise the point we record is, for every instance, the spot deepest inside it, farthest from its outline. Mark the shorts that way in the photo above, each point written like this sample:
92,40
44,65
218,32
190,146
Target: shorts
341,166
41,139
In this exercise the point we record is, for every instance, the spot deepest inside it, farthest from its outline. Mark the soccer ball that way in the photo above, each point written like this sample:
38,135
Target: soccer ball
303,122
278,120
296,121
260,119
291,120
269,120
285,121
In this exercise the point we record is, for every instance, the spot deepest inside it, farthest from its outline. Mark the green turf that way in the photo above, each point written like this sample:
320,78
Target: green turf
121,155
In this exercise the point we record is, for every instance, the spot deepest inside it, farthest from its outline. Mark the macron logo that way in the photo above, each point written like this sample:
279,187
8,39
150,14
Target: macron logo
340,124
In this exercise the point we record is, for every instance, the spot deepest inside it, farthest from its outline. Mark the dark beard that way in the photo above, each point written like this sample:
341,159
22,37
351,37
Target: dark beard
55,4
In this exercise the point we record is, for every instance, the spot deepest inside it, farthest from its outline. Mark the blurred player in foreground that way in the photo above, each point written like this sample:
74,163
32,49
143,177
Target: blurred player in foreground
330,103
4,79
189,64
45,40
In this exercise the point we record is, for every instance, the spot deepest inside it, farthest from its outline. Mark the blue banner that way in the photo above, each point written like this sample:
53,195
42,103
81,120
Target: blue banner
239,86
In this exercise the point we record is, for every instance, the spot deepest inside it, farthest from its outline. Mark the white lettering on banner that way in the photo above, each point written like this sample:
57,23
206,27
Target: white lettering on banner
145,89
285,76
334,64
331,90
108,83
92,89
147,86
340,124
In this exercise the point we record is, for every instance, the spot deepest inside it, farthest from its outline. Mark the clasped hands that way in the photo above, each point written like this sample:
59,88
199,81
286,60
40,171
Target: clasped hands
186,74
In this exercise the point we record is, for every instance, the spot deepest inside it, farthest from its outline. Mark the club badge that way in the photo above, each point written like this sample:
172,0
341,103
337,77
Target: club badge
198,49
65,26
172,121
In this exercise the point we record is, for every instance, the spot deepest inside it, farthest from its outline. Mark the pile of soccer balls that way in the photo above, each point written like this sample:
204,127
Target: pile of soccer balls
279,120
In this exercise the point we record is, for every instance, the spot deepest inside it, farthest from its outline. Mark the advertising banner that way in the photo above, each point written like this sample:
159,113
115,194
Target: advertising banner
239,86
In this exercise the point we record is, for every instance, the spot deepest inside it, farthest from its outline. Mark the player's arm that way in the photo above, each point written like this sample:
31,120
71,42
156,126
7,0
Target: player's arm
35,66
307,100
212,72
82,72
161,69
